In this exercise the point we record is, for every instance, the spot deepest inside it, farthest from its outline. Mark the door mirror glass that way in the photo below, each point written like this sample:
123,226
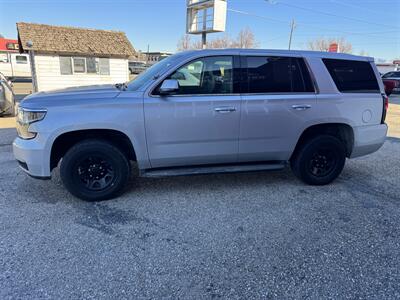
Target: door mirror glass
169,86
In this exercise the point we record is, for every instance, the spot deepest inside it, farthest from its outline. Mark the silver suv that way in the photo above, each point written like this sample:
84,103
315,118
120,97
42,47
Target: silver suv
208,111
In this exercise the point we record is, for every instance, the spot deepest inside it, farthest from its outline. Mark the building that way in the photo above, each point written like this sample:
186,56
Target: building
154,57
12,63
66,56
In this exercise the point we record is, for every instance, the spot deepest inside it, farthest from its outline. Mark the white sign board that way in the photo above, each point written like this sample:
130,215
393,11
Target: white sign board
205,16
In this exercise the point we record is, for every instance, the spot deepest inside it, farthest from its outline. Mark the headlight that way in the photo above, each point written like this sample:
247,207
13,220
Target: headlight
25,118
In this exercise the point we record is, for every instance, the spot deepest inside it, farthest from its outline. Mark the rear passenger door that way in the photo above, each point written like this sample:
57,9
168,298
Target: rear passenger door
278,99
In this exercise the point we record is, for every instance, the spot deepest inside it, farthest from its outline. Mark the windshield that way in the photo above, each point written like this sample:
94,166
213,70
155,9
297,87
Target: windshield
391,74
151,73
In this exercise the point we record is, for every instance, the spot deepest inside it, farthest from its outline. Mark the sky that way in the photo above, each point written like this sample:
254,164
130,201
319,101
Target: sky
372,26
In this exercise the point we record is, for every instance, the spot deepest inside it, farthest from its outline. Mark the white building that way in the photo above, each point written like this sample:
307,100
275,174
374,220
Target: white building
65,56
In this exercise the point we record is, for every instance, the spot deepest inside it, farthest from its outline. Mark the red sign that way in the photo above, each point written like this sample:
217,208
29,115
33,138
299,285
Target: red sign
8,45
333,47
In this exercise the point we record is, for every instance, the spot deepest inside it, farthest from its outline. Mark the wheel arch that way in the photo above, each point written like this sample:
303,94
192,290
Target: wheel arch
344,132
63,142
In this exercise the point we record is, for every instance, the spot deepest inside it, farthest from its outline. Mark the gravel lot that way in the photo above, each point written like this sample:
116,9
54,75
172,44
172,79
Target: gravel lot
259,235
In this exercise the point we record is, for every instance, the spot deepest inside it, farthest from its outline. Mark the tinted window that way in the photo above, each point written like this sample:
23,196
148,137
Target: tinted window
352,76
277,75
208,75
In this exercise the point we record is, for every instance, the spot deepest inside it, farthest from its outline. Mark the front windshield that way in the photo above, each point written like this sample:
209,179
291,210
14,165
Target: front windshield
151,73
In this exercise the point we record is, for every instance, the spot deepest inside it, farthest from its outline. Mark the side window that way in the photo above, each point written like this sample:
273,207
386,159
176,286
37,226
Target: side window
351,76
21,59
208,75
277,75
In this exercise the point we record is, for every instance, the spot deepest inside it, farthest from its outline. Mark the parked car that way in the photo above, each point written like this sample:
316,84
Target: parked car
7,99
391,81
137,67
238,111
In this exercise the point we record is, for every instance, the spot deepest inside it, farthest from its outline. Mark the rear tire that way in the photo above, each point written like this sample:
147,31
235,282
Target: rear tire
94,170
319,160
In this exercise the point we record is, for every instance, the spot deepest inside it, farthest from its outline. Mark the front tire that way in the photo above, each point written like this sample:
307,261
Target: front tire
319,160
94,170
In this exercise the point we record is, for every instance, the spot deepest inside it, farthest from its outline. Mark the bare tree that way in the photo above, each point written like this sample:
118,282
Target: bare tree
184,43
221,42
245,39
322,44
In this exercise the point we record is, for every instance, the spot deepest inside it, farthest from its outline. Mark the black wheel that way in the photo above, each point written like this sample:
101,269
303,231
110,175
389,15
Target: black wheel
319,160
94,170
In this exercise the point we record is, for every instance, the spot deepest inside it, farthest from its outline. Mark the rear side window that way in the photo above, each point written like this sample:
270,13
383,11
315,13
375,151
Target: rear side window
352,76
276,75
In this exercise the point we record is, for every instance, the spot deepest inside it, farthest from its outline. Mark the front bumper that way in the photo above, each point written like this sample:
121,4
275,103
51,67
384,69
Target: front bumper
32,157
368,139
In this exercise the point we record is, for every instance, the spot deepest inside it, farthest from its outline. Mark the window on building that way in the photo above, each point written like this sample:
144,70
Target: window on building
92,65
79,65
104,66
352,76
88,65
20,59
65,65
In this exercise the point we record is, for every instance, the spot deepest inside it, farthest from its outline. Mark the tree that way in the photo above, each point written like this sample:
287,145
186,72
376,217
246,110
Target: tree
184,43
1,36
245,39
322,44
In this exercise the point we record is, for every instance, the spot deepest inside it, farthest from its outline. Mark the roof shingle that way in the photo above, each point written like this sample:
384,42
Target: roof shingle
72,40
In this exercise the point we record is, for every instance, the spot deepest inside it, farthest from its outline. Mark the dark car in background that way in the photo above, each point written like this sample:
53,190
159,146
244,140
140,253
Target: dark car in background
391,80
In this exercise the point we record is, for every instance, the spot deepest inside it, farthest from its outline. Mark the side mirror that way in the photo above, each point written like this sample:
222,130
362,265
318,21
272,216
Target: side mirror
169,86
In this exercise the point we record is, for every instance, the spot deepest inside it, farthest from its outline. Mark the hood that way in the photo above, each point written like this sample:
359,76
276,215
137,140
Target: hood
71,95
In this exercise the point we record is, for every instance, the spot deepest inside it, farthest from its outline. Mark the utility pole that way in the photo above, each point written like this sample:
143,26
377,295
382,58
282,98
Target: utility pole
292,27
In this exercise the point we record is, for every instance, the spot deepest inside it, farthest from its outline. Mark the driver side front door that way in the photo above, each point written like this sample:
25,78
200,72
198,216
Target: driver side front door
199,124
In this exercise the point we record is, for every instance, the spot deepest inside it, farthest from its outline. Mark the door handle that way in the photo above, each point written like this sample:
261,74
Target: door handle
225,109
301,106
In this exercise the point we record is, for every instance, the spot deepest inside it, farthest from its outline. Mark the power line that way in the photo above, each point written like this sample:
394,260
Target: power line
333,15
307,24
361,7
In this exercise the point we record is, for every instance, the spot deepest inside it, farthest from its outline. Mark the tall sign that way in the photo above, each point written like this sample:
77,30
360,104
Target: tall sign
205,16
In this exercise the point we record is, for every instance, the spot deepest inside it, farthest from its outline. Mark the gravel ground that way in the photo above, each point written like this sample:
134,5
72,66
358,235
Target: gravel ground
236,236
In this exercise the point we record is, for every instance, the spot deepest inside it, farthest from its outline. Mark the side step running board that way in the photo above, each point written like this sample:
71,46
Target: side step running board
181,171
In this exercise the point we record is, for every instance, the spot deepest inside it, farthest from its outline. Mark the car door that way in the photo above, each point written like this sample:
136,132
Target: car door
199,123
278,100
